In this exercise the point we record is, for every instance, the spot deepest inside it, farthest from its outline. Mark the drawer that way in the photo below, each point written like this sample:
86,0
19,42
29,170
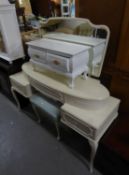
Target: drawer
46,90
76,125
37,55
58,62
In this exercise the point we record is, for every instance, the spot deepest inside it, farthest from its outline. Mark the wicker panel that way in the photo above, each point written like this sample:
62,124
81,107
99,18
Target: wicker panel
83,129
47,91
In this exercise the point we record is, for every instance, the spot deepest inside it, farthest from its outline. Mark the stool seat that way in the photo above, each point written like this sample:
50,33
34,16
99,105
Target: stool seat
47,107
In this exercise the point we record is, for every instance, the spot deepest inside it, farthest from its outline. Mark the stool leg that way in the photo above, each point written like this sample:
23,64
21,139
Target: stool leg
58,130
94,146
16,99
36,113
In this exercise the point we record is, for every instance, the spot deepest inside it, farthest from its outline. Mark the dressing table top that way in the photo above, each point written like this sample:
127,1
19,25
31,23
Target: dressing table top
55,46
90,89
83,40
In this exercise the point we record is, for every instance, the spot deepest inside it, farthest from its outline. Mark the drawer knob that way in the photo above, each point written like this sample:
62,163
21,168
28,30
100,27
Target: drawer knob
56,62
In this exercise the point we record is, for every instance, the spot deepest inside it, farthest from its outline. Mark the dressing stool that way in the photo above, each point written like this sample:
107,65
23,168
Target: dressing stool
45,106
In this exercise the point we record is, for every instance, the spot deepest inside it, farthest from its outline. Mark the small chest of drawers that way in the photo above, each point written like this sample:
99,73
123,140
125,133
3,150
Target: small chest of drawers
65,58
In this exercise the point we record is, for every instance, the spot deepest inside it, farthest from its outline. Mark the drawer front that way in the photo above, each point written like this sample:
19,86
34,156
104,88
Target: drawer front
37,55
82,129
46,90
58,62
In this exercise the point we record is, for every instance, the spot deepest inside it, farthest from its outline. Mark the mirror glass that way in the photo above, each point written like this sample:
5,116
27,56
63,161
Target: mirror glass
96,36
30,11
47,8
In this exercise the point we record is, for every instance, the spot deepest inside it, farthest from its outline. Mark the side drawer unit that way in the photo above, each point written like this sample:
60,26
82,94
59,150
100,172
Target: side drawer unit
77,125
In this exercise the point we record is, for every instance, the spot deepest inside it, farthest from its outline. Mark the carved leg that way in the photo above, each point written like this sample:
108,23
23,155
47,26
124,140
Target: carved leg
16,99
71,83
36,113
94,146
58,131
85,75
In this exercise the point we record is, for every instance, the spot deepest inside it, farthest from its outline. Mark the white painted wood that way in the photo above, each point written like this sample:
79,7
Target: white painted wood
4,2
10,32
20,83
97,47
90,94
94,147
84,40
96,120
62,48
65,58
88,108
90,124
71,24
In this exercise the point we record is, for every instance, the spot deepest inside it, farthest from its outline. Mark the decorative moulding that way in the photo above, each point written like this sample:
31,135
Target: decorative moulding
9,30
4,2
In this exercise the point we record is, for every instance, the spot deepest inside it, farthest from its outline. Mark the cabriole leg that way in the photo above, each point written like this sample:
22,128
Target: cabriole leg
94,146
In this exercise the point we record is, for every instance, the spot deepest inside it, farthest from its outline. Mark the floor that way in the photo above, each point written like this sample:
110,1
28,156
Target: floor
27,148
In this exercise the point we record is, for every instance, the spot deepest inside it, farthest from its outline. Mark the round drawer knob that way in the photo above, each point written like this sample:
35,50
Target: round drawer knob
56,62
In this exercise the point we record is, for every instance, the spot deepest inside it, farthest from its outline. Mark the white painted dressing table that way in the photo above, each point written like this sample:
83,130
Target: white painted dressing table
65,58
88,108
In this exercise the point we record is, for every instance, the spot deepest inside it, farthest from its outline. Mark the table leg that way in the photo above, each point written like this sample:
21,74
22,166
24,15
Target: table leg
94,146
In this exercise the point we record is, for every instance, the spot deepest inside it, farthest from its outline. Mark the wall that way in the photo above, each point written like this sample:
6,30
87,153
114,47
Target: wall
115,14
104,12
123,50
120,79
